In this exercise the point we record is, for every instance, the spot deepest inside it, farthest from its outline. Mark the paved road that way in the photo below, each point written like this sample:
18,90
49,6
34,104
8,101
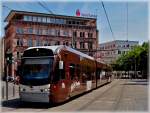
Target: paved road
119,95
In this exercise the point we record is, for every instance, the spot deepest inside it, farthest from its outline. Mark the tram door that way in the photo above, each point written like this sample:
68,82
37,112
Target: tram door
60,87
74,73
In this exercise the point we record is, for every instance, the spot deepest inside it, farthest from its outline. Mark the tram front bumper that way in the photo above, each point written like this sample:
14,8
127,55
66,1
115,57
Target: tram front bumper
34,93
34,97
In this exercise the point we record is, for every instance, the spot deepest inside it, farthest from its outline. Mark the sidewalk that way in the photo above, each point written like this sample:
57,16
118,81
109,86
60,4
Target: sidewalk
13,91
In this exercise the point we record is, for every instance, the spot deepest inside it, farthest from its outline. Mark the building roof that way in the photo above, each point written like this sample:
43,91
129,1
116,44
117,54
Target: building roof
118,41
14,12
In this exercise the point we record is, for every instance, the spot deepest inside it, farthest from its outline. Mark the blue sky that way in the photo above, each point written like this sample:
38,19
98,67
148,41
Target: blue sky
117,11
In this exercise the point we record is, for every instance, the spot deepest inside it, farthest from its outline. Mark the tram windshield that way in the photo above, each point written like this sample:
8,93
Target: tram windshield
36,71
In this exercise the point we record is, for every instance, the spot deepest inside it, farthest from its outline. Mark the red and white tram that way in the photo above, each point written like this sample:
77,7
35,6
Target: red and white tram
56,73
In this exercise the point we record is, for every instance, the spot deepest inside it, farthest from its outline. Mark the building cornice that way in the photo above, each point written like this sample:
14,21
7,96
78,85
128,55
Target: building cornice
13,12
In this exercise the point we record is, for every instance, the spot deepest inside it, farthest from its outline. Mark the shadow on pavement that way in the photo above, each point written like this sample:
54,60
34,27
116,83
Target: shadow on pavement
10,103
16,103
137,82
145,80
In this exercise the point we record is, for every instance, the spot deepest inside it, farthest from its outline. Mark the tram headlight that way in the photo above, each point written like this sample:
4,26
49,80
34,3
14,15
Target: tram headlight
22,89
46,89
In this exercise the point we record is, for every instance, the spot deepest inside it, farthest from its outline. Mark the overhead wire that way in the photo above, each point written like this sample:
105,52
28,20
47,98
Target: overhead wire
45,7
110,27
108,20
127,20
6,7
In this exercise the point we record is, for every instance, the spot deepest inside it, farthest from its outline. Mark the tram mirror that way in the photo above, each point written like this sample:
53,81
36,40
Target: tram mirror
61,64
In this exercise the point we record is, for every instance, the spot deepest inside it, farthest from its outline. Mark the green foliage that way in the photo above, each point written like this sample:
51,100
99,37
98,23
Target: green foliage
136,59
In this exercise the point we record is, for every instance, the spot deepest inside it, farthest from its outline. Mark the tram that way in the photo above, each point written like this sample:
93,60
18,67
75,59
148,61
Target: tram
56,73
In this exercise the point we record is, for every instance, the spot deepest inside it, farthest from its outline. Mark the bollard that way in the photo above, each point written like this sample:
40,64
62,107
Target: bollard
7,84
3,92
6,89
13,90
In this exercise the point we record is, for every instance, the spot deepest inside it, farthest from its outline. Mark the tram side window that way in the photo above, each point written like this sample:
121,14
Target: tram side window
89,72
103,74
72,70
107,74
59,73
98,73
78,71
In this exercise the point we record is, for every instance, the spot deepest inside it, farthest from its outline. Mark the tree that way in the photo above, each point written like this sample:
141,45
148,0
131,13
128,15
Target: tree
136,59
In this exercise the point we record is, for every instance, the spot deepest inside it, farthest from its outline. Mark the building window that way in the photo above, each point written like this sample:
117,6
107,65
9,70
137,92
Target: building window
49,31
57,21
69,22
75,44
25,18
30,30
46,43
30,18
34,19
45,32
90,45
48,20
81,34
90,35
62,21
44,19
20,42
66,33
38,42
82,45
114,45
74,34
39,19
17,42
30,42
52,20
119,52
53,32
57,32
19,30
119,46
39,31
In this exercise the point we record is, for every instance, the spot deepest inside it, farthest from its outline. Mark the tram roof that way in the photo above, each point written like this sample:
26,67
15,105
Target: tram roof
57,48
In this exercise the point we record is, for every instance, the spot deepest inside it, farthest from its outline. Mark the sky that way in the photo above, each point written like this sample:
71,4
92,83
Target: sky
116,11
